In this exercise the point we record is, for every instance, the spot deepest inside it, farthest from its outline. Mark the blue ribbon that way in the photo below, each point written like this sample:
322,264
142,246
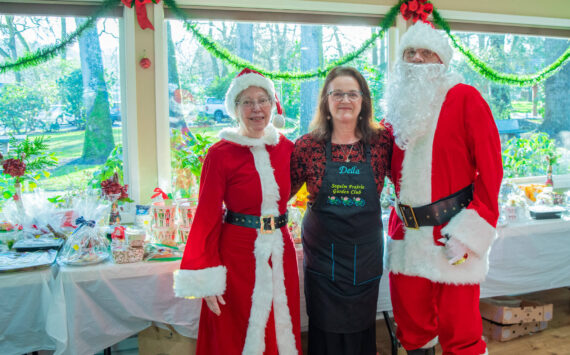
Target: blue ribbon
82,221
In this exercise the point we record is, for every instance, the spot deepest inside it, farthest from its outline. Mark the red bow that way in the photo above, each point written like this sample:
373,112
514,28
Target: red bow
140,9
118,233
416,10
159,191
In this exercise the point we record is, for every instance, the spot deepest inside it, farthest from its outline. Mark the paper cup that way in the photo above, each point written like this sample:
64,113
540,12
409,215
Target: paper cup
163,216
163,235
183,234
186,213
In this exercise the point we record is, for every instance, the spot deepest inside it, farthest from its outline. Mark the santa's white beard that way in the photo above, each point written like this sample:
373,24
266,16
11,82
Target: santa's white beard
414,95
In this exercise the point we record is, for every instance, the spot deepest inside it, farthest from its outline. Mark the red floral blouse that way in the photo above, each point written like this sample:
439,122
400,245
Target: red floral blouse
308,160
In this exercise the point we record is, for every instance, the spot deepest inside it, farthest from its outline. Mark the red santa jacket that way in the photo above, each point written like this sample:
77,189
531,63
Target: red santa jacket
462,147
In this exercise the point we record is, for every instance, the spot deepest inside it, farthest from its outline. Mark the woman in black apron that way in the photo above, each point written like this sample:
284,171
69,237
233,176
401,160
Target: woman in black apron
343,161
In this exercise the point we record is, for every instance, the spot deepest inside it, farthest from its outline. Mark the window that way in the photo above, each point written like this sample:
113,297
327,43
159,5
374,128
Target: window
533,121
203,79
72,100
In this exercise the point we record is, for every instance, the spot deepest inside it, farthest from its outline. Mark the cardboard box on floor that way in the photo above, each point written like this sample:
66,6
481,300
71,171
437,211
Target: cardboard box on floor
158,341
511,310
502,332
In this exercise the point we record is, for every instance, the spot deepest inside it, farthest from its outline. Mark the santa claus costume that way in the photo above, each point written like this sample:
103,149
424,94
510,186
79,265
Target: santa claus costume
255,269
446,166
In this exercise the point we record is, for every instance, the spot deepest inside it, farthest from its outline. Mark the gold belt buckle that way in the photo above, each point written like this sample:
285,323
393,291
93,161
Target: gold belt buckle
408,219
262,227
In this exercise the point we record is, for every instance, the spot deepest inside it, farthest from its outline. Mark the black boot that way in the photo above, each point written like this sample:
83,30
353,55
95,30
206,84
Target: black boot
428,351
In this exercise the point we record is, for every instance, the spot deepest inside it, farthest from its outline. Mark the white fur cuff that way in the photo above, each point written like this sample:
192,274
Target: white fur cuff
472,230
200,283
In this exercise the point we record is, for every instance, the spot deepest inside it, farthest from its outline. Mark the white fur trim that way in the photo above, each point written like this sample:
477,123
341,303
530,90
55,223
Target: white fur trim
472,230
200,283
242,82
269,281
271,137
430,344
422,35
417,254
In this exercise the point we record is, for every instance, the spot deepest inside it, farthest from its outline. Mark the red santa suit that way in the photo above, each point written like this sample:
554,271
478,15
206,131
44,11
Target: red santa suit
430,296
256,273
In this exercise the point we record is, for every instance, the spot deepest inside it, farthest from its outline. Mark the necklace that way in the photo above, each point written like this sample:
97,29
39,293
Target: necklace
347,156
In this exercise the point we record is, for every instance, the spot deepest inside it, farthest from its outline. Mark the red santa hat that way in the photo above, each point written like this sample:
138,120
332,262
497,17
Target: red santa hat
244,80
423,35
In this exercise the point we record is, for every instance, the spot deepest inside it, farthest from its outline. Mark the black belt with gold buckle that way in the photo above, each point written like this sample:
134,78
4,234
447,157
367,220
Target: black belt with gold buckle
437,213
265,224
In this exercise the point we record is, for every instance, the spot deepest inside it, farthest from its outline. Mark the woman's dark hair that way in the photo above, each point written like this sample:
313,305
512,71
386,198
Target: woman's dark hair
322,127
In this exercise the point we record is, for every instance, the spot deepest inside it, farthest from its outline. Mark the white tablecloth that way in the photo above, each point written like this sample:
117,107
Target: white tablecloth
528,257
24,300
94,307
86,309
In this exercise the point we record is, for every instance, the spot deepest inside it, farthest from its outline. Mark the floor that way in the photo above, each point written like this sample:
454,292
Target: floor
555,340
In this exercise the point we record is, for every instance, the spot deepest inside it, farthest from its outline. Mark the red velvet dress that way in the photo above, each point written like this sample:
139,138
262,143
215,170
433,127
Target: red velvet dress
256,273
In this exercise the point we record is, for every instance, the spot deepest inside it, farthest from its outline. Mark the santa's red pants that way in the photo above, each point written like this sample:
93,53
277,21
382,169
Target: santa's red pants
424,309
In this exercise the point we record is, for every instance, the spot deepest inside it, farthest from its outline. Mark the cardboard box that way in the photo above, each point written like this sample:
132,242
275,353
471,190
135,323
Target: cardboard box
158,341
511,310
502,332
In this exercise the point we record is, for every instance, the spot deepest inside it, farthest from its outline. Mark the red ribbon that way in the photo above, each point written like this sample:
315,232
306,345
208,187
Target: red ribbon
140,9
118,233
416,10
159,191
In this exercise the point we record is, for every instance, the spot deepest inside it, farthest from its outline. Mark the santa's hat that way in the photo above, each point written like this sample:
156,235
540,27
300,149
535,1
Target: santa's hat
422,35
245,79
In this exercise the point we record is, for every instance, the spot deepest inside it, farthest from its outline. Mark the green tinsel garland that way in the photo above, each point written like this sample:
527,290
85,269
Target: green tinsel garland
44,54
225,55
489,73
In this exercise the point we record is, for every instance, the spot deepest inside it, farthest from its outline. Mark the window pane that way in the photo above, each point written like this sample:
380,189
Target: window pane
72,100
533,121
198,81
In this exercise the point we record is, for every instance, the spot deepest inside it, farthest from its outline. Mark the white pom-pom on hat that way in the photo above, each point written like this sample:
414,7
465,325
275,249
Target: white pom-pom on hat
423,35
278,119
246,78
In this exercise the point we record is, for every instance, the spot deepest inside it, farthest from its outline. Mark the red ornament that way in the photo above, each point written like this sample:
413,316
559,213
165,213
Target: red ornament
145,63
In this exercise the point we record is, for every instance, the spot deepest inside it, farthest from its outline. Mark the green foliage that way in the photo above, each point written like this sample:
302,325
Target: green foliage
527,156
113,164
37,159
71,89
219,86
20,105
189,150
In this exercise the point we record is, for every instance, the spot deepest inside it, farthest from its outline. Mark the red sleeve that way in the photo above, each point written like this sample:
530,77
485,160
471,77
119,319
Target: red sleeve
201,273
475,225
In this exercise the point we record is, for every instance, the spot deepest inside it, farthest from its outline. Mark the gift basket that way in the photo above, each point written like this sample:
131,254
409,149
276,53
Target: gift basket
87,244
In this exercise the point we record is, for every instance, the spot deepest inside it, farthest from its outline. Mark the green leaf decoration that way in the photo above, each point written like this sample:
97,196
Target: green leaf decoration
214,48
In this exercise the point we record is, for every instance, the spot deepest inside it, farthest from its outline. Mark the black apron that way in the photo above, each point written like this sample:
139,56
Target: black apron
343,247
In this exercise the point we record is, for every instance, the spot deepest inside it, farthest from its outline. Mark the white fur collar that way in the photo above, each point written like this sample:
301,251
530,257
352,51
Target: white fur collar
271,137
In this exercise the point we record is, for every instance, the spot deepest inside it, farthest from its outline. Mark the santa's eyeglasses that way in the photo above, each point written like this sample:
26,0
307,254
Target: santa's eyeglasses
338,95
410,53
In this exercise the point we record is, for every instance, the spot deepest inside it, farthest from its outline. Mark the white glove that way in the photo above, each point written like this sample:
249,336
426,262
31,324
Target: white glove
455,251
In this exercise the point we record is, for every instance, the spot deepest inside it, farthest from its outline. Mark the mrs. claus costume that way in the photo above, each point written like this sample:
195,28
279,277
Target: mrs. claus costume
256,273
432,296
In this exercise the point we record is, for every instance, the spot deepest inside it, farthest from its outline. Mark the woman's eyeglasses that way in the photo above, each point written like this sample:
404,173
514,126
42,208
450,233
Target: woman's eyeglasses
250,104
338,95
